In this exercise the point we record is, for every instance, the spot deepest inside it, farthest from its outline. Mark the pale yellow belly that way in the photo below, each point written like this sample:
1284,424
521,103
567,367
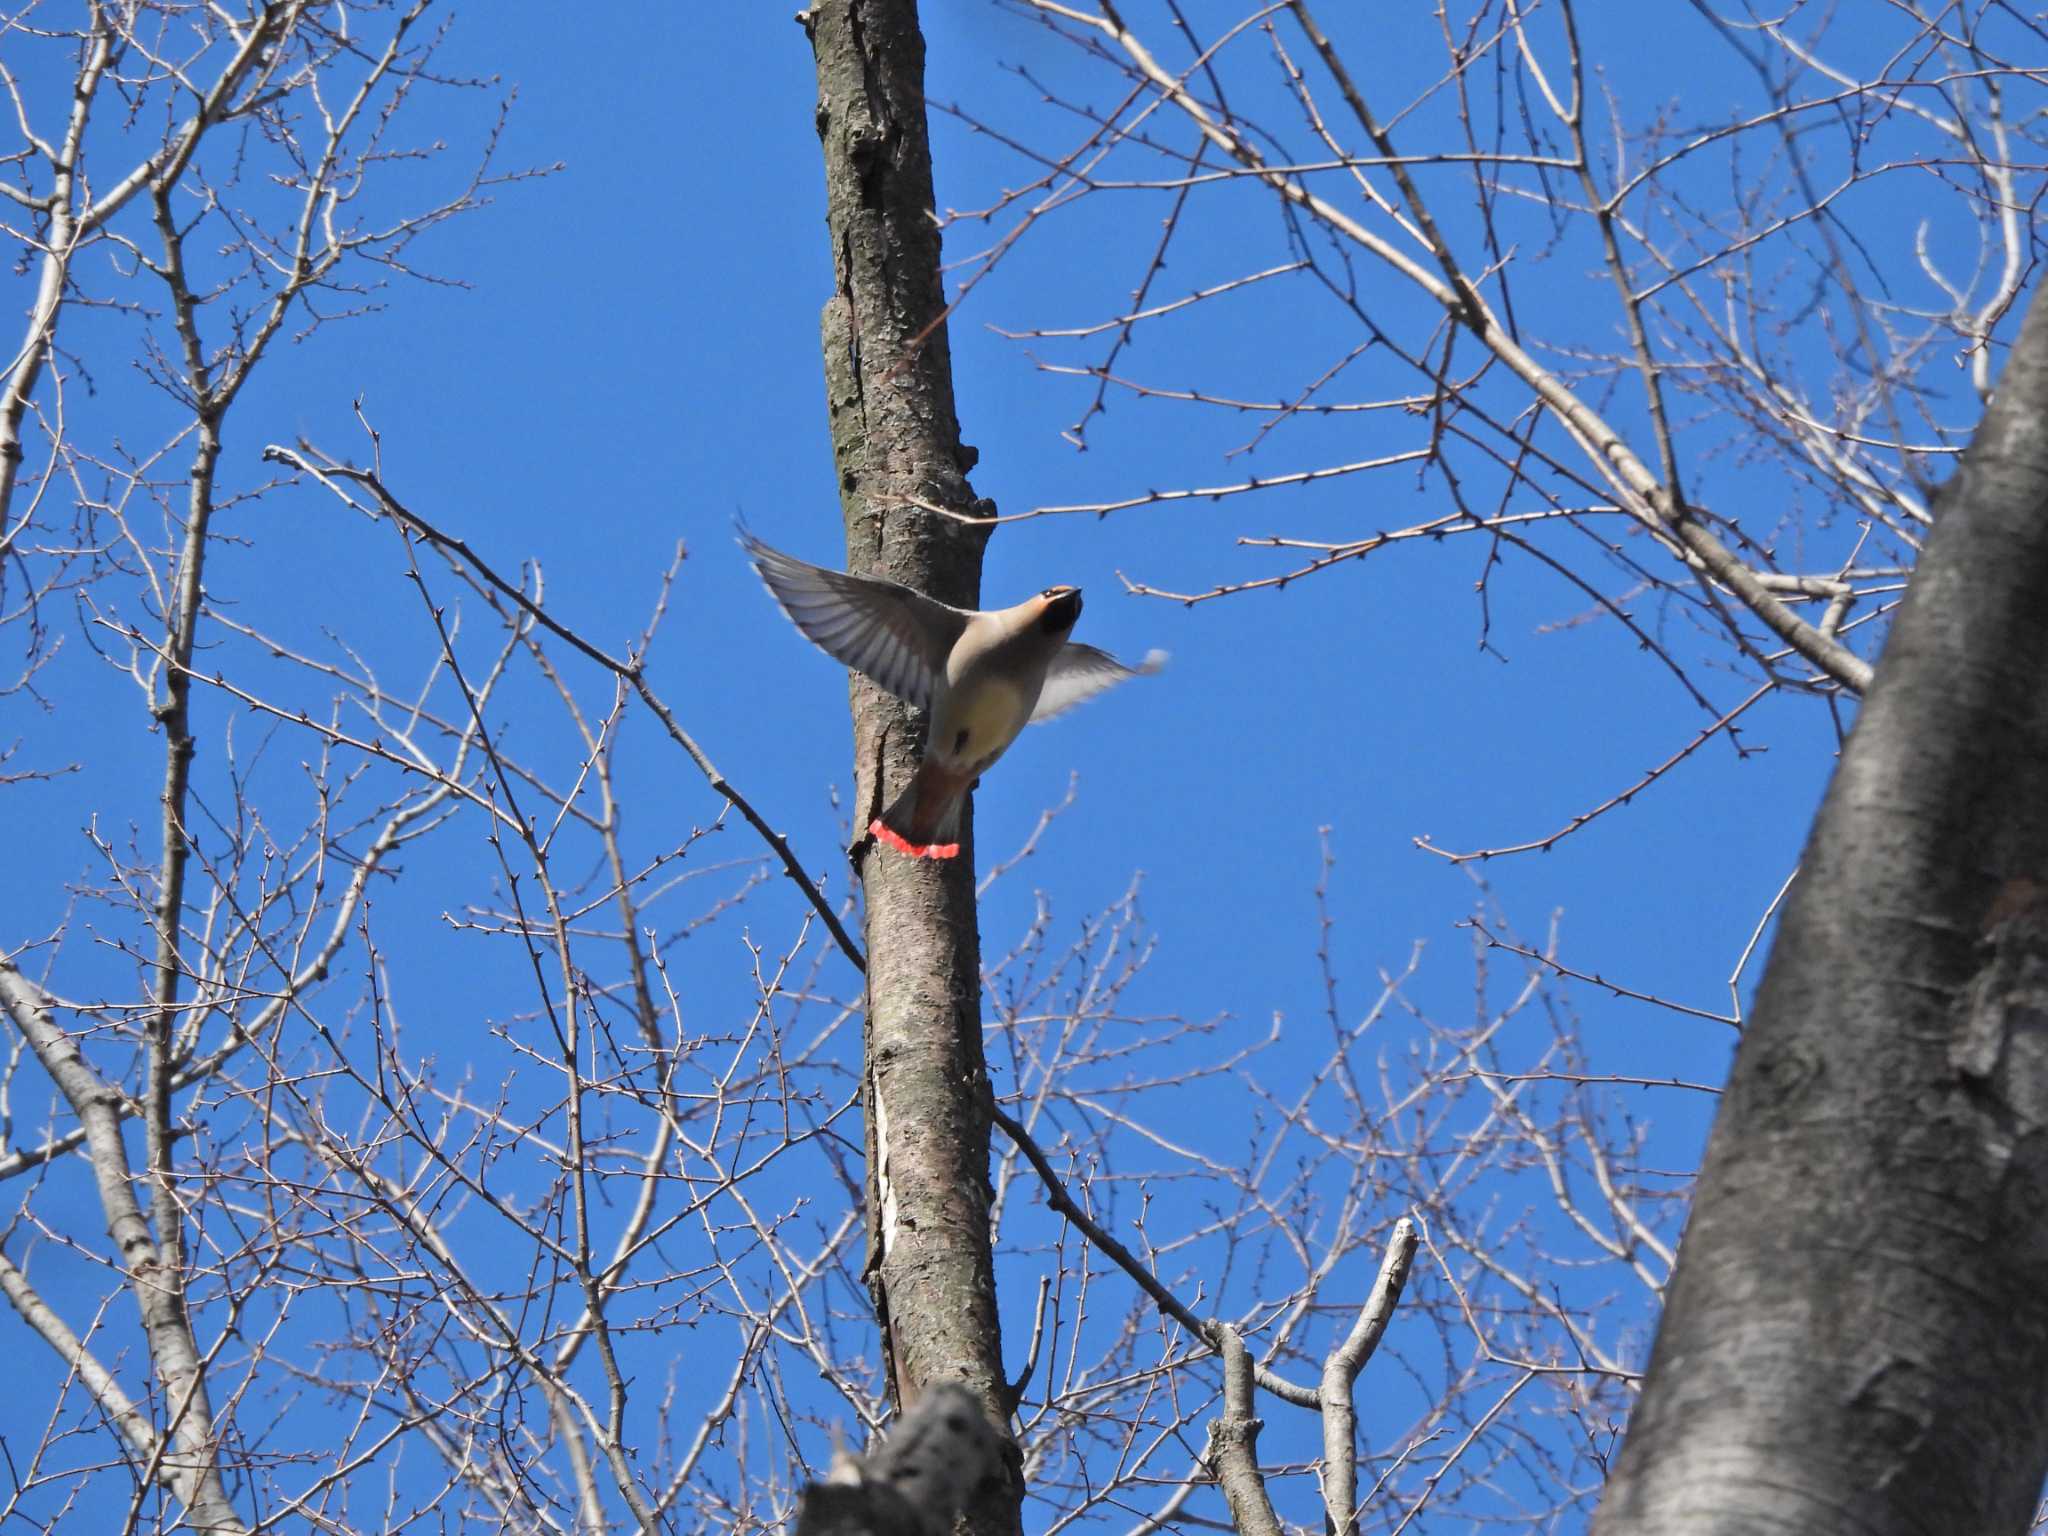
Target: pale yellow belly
976,722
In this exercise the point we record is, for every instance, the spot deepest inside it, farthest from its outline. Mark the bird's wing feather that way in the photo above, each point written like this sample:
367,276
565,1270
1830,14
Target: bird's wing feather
1080,672
882,629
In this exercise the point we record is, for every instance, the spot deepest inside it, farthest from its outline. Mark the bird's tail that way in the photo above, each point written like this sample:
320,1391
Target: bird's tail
924,821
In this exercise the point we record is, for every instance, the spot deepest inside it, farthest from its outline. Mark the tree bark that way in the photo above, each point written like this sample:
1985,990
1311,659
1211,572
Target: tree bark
1856,1337
896,442
916,1481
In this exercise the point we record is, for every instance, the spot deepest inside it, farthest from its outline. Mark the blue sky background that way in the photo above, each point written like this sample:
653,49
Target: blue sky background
633,361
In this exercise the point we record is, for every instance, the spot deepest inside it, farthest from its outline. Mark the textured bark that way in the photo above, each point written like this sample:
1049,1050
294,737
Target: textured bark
186,1457
917,1480
895,439
1340,1378
1856,1338
1233,1451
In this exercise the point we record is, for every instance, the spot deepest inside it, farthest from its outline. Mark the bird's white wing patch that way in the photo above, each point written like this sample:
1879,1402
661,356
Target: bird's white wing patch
882,629
1080,672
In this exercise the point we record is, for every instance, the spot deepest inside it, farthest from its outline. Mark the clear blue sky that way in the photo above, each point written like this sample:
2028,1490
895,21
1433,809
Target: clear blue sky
634,361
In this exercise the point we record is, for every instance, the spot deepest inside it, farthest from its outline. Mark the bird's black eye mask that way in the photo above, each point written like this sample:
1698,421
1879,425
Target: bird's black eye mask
1062,610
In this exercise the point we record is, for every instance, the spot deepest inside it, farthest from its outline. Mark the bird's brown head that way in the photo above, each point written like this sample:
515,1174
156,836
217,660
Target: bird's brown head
1062,609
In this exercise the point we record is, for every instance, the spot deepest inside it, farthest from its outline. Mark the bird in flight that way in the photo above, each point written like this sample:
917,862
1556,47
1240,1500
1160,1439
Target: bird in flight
982,676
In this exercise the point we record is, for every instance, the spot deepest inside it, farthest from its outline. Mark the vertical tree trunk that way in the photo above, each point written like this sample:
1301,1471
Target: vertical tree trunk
1856,1338
895,439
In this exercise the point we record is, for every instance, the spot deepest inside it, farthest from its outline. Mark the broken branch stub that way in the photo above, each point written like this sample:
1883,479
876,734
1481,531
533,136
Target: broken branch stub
916,1480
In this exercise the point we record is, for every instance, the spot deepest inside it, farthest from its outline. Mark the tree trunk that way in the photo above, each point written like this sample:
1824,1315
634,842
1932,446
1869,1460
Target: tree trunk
1856,1338
896,441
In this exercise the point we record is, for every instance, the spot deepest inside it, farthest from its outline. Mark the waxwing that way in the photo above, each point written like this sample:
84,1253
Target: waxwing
982,677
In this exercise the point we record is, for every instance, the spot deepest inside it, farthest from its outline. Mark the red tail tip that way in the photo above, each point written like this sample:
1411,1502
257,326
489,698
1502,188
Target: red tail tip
903,844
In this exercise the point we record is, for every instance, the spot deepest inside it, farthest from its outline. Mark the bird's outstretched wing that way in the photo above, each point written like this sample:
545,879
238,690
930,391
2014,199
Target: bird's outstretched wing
882,629
1080,672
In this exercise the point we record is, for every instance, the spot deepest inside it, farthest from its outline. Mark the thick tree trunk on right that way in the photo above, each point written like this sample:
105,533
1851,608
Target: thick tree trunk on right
1856,1338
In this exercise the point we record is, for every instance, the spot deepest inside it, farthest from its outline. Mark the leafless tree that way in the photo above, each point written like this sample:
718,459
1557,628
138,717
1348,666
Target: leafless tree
280,1257
1124,1402
1735,460
1741,440
1893,1083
